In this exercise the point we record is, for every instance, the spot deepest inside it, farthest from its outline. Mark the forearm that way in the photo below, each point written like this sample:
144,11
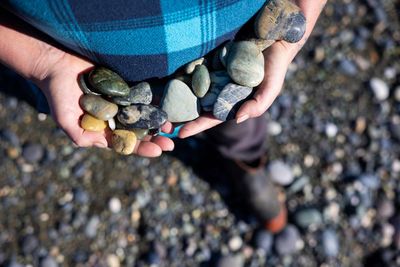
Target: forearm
22,50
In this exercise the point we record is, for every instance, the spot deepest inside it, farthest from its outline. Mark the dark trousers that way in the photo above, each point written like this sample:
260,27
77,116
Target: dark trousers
244,141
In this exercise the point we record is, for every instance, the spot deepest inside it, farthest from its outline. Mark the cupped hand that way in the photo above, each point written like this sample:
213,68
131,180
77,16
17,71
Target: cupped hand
62,92
277,59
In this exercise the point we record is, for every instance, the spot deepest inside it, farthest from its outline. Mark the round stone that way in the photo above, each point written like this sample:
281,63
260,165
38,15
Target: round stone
235,243
286,242
115,205
330,243
307,217
208,101
179,102
107,82
201,81
280,172
223,53
245,64
32,152
229,101
124,141
189,68
98,107
83,84
140,133
90,123
264,241
138,94
379,88
142,117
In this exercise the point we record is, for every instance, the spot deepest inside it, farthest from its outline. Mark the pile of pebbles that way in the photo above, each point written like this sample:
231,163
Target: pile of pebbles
218,84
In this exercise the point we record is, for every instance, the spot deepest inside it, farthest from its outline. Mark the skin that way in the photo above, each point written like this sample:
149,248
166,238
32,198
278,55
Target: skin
55,71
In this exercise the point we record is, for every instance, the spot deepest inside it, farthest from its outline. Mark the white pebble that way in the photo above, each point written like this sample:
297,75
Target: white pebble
111,124
280,172
113,261
331,130
380,89
235,243
114,205
274,128
390,73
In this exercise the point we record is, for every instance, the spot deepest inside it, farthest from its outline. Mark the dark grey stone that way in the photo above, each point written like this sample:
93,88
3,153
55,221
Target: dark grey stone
107,82
142,117
32,152
138,94
229,101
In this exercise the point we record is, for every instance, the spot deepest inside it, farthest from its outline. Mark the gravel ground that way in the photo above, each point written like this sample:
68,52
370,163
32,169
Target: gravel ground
334,135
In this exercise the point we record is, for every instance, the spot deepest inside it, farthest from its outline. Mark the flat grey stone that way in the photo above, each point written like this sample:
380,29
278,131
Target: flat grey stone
179,102
200,81
245,64
138,94
229,101
142,117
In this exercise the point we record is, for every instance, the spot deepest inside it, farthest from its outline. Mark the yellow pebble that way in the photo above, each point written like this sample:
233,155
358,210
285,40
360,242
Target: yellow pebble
124,141
90,123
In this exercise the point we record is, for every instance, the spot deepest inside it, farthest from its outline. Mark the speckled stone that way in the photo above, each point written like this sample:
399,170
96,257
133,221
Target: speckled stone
142,117
90,123
83,84
280,20
98,107
201,81
107,82
179,102
245,64
229,101
138,94
223,53
123,141
189,68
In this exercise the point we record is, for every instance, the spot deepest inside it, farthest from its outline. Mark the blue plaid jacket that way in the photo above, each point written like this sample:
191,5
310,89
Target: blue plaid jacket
138,39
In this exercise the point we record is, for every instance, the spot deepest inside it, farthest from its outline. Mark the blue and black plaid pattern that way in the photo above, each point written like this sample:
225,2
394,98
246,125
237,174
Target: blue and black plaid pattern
139,39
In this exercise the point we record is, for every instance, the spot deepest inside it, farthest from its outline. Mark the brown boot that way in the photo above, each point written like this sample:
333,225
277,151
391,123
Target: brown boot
259,192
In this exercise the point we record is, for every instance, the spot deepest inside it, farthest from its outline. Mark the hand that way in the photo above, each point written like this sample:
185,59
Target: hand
62,92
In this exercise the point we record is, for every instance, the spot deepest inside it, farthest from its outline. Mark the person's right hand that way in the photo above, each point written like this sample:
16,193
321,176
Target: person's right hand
59,84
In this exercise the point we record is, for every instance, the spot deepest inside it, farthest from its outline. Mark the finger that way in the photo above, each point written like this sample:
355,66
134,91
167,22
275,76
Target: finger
166,144
84,138
167,128
199,125
147,149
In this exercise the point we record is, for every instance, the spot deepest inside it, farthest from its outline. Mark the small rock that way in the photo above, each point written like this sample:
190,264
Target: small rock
229,101
307,217
231,261
113,261
208,101
385,208
124,141
379,88
30,244
370,181
32,153
10,137
138,94
90,123
98,107
91,227
142,117
83,84
245,64
115,205
223,53
48,262
220,78
235,243
189,68
286,242
397,94
331,130
111,124
264,241
348,67
140,133
107,82
274,128
280,172
330,243
200,81
179,102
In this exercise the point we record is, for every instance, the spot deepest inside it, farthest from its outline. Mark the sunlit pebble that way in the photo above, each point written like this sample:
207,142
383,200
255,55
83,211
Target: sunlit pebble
379,88
111,124
274,128
331,130
308,160
337,168
113,260
114,205
235,243
390,73
44,217
42,116
396,166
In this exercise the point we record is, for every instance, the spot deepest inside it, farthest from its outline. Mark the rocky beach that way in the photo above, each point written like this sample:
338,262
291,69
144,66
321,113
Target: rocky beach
333,149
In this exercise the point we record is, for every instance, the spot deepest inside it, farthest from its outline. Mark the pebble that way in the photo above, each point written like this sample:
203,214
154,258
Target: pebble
274,128
223,53
229,101
98,107
331,130
83,84
189,68
220,78
140,133
330,243
235,243
385,208
379,88
92,226
280,172
48,262
280,20
107,82
115,205
179,102
348,67
123,141
308,217
113,261
371,181
10,137
208,101
142,117
111,124
32,153
92,124
138,94
245,64
286,242
264,241
231,261
201,81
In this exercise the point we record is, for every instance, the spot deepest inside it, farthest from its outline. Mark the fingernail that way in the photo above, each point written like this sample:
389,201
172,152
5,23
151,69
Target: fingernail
100,145
242,119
